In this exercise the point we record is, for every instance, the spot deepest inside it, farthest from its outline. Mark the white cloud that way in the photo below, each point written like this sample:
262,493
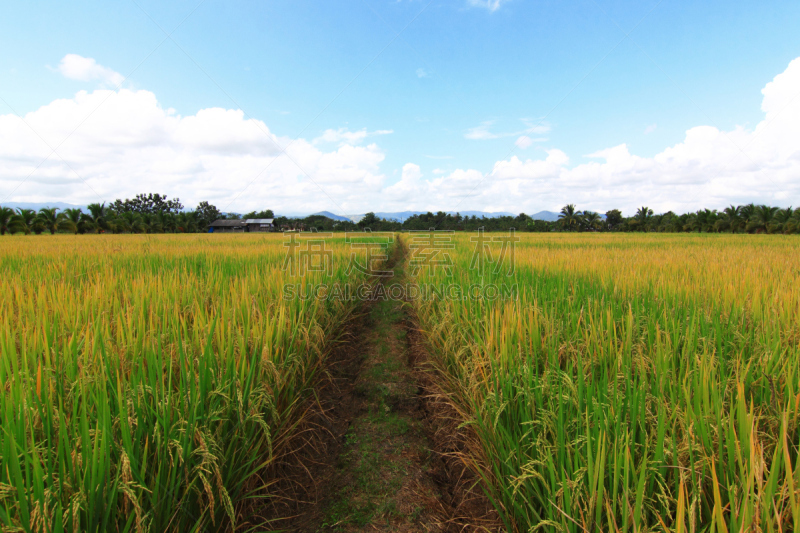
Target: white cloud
131,144
650,129
408,186
524,142
482,133
345,136
491,5
81,68
707,169
421,73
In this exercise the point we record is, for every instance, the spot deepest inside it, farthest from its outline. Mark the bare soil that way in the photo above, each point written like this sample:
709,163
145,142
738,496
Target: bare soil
380,448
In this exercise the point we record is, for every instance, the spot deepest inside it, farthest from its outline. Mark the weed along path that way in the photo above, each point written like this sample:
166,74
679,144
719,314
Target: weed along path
371,462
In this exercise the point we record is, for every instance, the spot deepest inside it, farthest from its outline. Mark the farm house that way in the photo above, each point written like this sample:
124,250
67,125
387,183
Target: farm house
260,224
227,226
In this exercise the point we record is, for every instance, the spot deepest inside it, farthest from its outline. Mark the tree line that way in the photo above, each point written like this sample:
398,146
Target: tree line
154,213
146,213
749,218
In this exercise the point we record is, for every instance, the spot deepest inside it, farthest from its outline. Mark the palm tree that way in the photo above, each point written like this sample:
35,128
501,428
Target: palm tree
730,220
168,222
702,221
793,224
80,221
130,222
746,212
25,219
52,220
641,218
780,221
7,219
592,220
569,217
186,222
761,219
99,216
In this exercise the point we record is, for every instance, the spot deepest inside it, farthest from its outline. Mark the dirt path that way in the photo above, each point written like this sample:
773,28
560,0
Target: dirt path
369,461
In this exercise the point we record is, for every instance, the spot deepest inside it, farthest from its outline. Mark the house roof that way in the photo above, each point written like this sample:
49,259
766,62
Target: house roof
222,223
259,221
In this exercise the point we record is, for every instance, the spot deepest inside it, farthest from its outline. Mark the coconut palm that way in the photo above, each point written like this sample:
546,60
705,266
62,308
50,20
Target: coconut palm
592,220
729,220
8,221
99,216
569,217
25,219
761,219
780,221
81,222
643,214
54,221
703,221
793,225
746,212
130,222
640,220
186,222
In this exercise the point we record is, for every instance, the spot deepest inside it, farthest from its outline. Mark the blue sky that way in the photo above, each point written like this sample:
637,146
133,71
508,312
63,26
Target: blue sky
457,83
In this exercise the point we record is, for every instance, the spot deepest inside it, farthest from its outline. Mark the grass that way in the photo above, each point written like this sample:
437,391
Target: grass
638,383
374,463
148,380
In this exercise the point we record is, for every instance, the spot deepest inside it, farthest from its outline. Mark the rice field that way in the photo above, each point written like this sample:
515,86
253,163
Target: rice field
148,380
637,383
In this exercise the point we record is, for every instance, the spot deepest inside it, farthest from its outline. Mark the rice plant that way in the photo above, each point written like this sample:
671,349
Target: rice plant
147,381
637,383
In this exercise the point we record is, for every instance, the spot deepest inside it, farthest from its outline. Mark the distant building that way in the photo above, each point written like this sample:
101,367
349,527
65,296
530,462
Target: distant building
260,224
227,226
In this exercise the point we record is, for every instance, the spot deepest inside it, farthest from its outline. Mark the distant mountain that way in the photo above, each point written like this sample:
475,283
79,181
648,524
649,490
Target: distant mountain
486,214
402,216
331,216
547,216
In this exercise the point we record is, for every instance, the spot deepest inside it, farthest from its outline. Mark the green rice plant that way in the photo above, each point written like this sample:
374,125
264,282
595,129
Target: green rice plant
148,381
637,383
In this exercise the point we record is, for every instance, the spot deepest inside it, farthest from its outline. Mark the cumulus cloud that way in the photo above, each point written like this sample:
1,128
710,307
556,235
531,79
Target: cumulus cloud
81,68
709,168
408,187
131,144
